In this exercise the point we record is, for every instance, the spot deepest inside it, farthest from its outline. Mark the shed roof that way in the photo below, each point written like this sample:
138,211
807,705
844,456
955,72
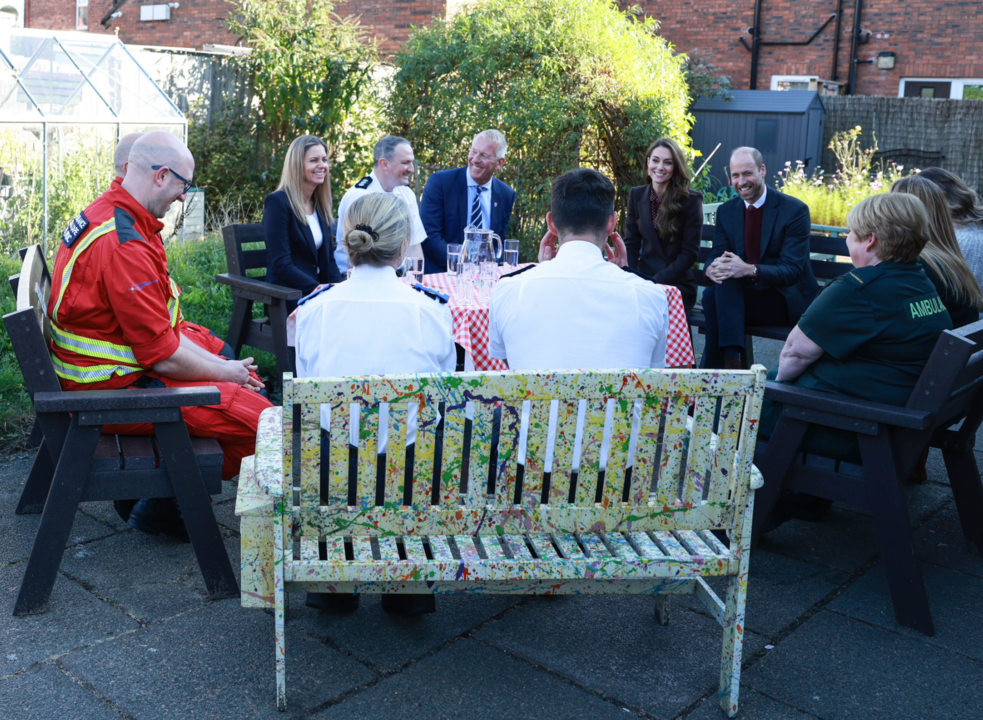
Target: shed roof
763,101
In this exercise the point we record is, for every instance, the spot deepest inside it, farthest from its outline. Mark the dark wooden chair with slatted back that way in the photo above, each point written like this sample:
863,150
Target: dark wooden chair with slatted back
891,439
268,333
77,462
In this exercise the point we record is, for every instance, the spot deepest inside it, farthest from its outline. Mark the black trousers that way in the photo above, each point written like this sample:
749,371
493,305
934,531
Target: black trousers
730,307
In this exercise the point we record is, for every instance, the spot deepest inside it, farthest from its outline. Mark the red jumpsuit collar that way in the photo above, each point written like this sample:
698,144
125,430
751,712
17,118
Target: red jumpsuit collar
120,198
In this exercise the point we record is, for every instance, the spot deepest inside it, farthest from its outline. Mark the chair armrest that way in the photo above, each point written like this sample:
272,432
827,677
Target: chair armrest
102,400
260,287
848,407
268,465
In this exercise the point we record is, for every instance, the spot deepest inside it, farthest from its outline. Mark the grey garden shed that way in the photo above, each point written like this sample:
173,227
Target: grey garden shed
785,126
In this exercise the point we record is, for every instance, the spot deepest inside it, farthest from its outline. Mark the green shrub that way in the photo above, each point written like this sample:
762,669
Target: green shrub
569,84
16,412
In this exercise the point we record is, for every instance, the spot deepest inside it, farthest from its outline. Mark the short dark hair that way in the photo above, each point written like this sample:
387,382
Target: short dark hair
581,202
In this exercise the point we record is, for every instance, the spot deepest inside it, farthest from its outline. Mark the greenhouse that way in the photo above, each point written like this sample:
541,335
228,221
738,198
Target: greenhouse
65,100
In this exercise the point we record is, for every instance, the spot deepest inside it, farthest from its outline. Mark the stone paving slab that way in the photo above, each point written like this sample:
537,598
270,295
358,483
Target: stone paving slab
844,540
941,541
837,667
780,589
753,705
75,619
45,692
214,662
614,644
955,599
471,681
387,642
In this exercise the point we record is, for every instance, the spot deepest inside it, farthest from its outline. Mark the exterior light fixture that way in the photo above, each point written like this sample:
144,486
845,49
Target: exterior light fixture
885,61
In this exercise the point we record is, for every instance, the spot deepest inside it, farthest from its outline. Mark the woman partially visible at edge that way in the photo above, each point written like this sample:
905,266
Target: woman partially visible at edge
297,220
665,221
941,258
966,212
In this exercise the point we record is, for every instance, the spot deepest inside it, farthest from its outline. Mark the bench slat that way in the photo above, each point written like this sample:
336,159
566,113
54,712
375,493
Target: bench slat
646,453
517,547
493,548
396,454
569,546
138,452
308,548
698,462
466,548
532,483
595,545
440,548
362,547
590,453
481,429
728,439
645,546
620,545
388,550
368,455
695,543
672,546
310,456
673,444
508,453
566,434
614,475
335,549
340,441
427,420
544,546
714,543
452,457
106,455
414,548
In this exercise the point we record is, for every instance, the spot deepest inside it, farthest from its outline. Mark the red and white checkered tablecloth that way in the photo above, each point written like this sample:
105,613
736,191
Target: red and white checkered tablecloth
471,326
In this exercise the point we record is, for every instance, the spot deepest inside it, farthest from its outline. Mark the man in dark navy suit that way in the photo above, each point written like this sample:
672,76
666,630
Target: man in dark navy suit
455,199
759,263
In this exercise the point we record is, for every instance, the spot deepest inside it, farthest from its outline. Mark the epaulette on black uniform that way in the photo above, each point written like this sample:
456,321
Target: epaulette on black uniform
861,277
364,183
643,276
317,291
432,294
518,272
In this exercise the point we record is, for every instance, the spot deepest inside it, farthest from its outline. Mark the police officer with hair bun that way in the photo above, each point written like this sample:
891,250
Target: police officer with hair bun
374,324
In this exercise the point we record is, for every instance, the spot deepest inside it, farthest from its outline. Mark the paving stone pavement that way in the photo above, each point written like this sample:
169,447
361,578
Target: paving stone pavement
131,634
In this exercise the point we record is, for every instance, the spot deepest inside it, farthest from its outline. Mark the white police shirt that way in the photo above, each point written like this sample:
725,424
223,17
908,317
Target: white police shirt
371,184
578,312
373,324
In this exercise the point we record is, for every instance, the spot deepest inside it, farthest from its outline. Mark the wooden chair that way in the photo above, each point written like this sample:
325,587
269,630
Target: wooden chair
512,528
268,333
76,462
891,440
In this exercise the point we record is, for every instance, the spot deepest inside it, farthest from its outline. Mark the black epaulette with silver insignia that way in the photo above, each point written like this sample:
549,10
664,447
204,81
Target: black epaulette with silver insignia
364,183
432,294
861,277
75,228
516,272
317,291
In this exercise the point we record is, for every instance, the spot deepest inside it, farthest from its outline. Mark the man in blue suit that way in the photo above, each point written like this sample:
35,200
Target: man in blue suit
455,199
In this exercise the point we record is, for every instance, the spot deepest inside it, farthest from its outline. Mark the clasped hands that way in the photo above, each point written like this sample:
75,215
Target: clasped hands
728,266
242,372
615,249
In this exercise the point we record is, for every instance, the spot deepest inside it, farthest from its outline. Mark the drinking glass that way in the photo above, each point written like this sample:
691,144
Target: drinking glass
454,259
414,270
488,276
511,253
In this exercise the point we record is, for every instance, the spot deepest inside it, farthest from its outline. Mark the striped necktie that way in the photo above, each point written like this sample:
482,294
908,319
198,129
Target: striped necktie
476,207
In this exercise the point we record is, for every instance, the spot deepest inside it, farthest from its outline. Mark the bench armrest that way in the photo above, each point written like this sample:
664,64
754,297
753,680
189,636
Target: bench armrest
268,465
848,407
259,287
102,400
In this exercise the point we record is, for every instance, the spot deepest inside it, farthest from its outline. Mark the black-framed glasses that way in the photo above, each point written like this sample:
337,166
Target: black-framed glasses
187,183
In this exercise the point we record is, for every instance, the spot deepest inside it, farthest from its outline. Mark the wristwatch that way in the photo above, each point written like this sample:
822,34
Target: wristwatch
755,273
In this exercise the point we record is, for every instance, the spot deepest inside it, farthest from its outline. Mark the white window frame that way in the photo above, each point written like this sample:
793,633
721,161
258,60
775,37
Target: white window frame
79,25
956,86
775,79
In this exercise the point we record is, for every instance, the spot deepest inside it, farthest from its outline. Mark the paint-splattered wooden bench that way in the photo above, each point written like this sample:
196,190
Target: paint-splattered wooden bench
516,529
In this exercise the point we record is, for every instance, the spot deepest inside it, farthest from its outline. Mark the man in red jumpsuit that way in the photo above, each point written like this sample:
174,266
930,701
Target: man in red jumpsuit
116,317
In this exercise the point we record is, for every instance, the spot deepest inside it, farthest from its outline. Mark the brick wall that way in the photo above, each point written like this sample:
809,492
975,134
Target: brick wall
390,20
941,38
50,14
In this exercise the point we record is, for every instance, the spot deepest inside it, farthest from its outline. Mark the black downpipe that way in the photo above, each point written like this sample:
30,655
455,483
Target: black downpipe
854,42
755,45
836,40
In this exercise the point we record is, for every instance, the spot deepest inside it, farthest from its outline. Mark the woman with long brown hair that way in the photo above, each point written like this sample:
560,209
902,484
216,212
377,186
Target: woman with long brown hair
297,220
966,212
941,258
665,220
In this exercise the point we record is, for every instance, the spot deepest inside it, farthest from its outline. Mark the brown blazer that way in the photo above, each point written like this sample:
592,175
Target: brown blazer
667,263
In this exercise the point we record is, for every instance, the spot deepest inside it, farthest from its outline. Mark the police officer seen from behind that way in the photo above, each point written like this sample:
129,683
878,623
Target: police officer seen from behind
392,173
374,324
868,335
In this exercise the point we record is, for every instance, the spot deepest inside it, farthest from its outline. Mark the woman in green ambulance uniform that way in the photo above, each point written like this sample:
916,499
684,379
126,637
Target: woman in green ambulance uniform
868,334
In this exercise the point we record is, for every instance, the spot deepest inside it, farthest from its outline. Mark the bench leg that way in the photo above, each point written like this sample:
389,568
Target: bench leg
887,501
730,659
964,478
242,314
662,606
178,457
56,520
783,446
38,483
279,610
34,441
277,314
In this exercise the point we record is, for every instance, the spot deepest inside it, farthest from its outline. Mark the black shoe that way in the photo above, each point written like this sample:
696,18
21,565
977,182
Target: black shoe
124,508
409,605
332,602
156,516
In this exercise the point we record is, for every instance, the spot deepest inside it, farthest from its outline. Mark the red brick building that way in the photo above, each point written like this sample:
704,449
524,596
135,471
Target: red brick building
936,47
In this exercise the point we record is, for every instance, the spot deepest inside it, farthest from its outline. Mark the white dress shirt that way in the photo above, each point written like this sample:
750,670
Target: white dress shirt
373,324
484,201
314,224
418,233
578,312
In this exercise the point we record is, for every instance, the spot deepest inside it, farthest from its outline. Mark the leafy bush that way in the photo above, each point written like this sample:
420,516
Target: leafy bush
16,412
569,84
830,199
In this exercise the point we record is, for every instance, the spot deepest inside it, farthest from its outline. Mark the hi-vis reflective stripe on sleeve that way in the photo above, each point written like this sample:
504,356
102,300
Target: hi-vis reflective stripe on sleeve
66,275
174,303
93,348
91,374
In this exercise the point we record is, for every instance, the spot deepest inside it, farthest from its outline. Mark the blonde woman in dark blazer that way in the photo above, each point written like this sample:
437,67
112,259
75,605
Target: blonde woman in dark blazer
665,221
